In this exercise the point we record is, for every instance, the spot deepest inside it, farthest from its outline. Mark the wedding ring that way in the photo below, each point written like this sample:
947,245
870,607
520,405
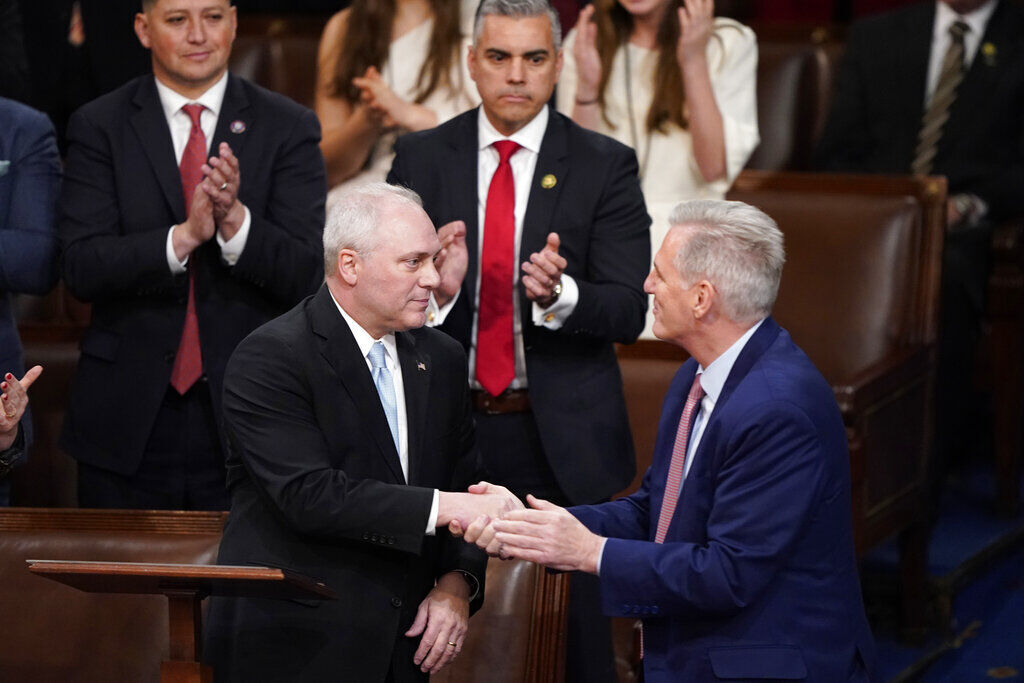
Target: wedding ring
223,186
451,644
10,415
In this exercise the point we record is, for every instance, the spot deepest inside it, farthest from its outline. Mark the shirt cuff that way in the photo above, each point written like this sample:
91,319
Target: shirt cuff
600,555
555,315
232,248
432,519
436,314
177,267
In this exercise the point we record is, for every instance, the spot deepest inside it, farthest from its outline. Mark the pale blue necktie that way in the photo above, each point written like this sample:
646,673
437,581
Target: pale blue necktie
385,388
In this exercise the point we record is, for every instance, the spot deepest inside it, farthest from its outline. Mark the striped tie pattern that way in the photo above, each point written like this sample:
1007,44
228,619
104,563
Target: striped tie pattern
675,467
937,113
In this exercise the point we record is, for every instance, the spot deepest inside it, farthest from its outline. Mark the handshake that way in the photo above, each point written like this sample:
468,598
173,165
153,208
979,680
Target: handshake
493,519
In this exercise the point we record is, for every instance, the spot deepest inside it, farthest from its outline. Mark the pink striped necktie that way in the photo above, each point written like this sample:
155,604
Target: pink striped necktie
675,467
188,361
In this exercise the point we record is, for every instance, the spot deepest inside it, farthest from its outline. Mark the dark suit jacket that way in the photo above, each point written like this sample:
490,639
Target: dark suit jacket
317,487
29,183
879,103
757,577
598,211
121,195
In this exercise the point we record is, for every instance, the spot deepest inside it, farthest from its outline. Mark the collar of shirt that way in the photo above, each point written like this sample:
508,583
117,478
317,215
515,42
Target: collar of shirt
713,377
212,99
977,20
529,136
365,341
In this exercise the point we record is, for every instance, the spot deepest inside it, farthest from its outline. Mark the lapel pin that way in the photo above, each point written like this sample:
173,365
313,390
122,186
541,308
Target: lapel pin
421,366
548,181
988,51
238,126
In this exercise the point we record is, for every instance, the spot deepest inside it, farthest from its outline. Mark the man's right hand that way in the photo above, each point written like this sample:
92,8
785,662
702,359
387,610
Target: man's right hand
485,499
451,262
197,228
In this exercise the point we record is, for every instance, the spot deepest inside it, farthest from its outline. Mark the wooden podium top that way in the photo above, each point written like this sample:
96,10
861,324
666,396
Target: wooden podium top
150,578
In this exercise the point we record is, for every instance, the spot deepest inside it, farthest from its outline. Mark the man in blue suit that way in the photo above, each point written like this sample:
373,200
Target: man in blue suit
29,183
737,551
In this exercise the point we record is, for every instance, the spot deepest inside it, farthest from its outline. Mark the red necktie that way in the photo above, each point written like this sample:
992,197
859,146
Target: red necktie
188,363
495,361
675,467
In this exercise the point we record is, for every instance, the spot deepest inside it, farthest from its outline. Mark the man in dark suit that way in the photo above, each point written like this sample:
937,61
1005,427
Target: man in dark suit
566,203
29,183
182,247
737,551
347,423
938,87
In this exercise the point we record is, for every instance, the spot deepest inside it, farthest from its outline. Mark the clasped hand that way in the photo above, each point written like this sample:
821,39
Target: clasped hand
215,205
546,534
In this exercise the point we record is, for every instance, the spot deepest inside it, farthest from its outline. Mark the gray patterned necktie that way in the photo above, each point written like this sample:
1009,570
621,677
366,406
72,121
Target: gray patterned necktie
937,113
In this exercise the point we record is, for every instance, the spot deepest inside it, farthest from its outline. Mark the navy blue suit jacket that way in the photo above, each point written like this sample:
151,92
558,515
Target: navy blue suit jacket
122,193
29,183
598,211
757,576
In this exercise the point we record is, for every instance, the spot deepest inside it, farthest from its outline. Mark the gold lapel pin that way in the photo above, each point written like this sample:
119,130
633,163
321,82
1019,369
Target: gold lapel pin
548,181
421,366
988,51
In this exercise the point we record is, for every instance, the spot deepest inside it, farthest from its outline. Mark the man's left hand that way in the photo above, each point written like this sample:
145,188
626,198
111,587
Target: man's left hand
223,178
543,271
548,535
442,619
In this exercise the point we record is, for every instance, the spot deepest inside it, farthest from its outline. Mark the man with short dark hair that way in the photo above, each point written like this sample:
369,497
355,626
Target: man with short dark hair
737,551
191,213
546,244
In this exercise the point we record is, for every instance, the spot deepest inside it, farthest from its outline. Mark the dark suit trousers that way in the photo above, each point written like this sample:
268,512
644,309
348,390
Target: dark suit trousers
514,457
182,467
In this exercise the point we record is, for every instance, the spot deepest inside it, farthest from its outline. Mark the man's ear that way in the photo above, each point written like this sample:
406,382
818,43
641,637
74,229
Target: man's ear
142,29
349,265
706,294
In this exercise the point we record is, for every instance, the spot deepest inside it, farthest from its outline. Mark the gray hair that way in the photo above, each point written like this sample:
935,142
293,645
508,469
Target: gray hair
353,219
518,9
735,246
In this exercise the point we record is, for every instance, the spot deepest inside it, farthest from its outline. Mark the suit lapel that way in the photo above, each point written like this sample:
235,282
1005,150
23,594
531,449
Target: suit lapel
552,164
338,347
416,381
150,126
234,110
1001,41
914,43
463,172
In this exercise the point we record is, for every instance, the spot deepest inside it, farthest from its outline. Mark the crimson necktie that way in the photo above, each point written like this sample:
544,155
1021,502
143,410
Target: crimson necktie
675,467
495,361
188,362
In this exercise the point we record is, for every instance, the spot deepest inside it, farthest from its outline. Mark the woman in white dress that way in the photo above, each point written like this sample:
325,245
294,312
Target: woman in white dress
386,67
673,82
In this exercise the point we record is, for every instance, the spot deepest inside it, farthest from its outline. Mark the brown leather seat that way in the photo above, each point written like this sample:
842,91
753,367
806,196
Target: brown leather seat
56,633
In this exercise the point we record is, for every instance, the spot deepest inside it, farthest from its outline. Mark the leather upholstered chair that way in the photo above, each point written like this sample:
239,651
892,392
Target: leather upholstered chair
56,633
279,52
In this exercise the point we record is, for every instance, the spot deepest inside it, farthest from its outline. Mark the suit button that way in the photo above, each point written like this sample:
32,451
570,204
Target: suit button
654,610
396,602
391,540
366,536
374,538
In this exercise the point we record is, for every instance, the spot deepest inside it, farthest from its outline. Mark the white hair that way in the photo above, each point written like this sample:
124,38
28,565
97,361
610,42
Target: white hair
518,9
736,247
353,219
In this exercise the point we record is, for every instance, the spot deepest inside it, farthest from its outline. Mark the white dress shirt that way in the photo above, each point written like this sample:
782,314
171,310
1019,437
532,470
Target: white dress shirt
365,341
944,18
523,164
180,126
